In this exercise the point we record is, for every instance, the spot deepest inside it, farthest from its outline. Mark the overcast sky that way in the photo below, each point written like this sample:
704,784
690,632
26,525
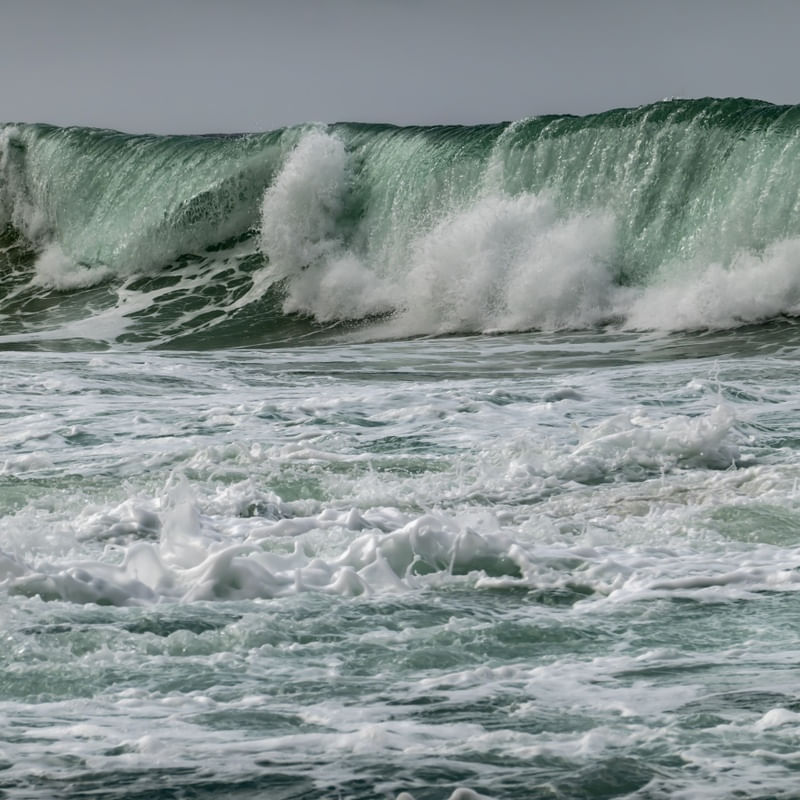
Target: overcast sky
201,66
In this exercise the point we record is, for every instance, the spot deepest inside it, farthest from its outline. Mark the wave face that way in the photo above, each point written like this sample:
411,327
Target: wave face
679,215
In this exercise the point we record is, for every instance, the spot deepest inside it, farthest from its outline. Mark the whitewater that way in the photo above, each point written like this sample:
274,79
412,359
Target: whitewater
362,461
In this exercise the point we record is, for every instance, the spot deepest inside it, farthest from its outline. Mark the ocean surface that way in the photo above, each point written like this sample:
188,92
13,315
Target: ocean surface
355,461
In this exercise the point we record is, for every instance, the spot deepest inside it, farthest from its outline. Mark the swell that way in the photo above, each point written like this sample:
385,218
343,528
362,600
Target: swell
678,215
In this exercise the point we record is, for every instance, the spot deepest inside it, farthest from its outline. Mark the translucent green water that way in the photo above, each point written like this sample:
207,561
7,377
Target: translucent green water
355,461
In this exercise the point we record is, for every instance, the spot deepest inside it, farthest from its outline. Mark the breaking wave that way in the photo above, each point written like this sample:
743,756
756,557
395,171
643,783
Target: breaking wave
680,215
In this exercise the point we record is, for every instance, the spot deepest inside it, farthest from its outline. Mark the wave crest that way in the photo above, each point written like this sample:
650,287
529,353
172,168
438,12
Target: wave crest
680,215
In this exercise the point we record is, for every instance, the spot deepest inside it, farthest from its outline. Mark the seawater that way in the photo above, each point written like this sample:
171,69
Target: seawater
362,462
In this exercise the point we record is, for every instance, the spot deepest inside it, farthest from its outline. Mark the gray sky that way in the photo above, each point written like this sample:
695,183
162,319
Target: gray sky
201,66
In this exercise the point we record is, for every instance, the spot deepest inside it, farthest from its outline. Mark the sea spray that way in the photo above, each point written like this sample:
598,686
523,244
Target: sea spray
667,216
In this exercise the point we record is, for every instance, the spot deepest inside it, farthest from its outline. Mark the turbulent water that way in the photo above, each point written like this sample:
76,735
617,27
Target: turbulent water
356,461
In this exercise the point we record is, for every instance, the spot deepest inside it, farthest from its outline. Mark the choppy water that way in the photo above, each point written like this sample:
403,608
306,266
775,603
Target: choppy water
535,566
265,531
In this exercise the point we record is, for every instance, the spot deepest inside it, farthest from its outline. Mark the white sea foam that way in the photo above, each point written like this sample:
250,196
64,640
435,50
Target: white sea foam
301,234
570,466
300,209
496,263
521,564
487,260
508,264
754,287
501,263
55,269
495,556
198,557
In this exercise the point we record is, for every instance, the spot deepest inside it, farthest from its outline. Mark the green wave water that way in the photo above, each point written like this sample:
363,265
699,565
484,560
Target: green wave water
681,214
355,562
